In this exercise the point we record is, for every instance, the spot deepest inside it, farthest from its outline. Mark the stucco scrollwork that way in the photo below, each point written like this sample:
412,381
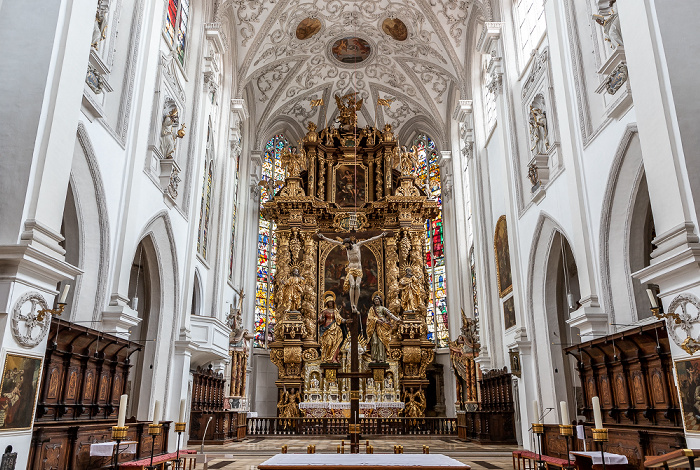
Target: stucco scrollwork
683,314
29,327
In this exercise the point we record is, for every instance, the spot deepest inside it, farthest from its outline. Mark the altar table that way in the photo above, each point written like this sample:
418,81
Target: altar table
362,462
593,460
370,409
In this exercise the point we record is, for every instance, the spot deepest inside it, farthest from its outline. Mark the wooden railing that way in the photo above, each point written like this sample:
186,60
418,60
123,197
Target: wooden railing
339,426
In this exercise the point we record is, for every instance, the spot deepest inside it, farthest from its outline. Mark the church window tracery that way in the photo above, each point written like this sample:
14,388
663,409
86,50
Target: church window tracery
530,24
429,177
205,210
272,174
233,217
176,27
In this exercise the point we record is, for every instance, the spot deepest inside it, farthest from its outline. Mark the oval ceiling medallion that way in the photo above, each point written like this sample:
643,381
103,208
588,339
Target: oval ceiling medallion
351,50
395,28
308,27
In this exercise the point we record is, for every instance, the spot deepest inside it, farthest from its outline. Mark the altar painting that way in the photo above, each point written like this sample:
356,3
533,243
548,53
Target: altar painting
18,391
334,278
688,378
350,188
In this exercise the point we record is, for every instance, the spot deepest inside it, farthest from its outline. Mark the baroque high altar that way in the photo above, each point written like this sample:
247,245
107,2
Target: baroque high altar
351,243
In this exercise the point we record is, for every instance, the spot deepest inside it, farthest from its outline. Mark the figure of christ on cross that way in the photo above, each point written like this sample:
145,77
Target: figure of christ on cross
354,270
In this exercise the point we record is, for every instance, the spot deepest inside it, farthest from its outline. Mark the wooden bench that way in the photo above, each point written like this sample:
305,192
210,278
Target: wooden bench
159,461
681,458
526,456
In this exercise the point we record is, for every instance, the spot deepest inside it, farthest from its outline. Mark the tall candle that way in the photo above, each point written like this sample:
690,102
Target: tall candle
183,404
122,410
564,412
652,299
64,294
597,416
156,412
535,412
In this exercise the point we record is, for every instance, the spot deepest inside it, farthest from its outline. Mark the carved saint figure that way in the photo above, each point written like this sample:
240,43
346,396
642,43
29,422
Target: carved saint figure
409,160
99,29
538,131
292,290
379,328
354,268
168,134
293,161
415,407
288,406
348,113
329,332
611,27
388,383
410,291
329,134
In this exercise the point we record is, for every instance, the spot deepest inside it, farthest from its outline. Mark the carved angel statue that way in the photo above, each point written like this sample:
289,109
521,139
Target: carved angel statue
348,113
379,328
293,161
538,131
168,134
328,134
611,27
99,29
409,160
415,407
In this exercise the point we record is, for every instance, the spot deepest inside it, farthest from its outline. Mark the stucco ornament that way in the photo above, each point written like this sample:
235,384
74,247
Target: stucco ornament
683,314
29,327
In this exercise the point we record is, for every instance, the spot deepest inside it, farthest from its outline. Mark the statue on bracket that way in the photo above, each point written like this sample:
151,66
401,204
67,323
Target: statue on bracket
348,113
611,27
410,291
292,291
169,133
329,332
379,328
354,268
539,135
99,30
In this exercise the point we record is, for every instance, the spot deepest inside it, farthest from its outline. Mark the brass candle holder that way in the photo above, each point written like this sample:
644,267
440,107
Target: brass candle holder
538,430
567,430
118,435
179,429
601,436
153,431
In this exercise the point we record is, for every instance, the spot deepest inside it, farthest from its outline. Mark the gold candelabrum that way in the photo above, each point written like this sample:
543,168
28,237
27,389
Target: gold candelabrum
538,430
153,431
567,430
118,435
600,435
179,429
56,312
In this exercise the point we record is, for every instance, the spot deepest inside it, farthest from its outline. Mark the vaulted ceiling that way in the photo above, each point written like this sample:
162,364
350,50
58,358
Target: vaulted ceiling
280,73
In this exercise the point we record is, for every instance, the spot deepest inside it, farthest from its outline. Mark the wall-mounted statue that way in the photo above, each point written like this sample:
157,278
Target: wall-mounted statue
292,291
329,332
611,27
99,30
410,292
169,133
539,134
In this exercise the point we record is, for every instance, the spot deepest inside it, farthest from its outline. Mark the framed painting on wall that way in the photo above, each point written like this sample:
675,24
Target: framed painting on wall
502,251
509,313
688,379
18,391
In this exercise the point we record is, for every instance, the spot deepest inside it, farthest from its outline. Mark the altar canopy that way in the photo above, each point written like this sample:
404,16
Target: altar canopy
350,235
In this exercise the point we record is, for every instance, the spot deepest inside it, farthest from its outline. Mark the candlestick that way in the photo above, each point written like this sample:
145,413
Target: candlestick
156,412
122,410
183,405
597,416
64,294
652,299
564,412
535,412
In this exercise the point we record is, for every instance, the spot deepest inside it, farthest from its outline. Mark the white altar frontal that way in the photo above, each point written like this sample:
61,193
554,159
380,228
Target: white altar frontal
362,462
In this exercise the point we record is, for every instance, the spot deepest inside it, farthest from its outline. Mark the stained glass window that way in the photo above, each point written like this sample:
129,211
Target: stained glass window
205,209
176,26
272,177
233,217
429,176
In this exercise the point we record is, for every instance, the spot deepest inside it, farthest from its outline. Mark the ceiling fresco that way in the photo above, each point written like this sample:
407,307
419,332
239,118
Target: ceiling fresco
410,52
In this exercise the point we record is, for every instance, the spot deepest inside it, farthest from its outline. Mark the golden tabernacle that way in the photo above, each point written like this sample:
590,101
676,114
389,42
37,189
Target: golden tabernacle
351,238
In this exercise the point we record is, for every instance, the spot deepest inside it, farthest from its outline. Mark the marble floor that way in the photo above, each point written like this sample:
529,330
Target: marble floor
247,454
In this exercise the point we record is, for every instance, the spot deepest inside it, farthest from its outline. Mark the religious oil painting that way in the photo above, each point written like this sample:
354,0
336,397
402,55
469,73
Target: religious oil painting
502,251
351,50
350,185
334,274
18,391
688,379
509,313
307,28
395,28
